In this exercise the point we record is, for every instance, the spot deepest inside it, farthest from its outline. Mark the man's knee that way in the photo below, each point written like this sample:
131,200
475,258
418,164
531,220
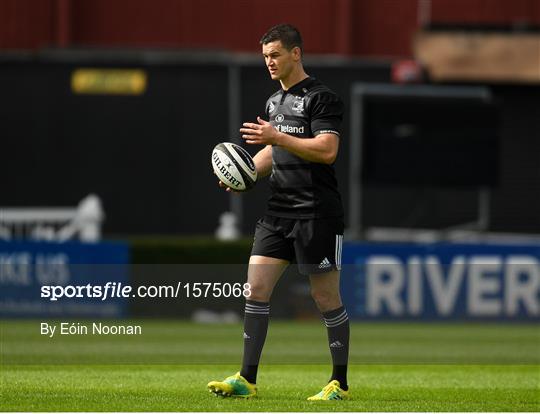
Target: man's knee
259,292
326,299
263,274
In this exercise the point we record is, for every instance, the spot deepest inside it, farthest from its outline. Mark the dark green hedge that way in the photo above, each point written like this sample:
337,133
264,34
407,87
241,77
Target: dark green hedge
193,250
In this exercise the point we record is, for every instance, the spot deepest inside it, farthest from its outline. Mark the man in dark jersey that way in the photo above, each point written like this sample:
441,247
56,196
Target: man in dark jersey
304,219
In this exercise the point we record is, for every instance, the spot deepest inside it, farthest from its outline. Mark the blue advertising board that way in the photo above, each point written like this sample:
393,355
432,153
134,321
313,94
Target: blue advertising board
26,267
441,281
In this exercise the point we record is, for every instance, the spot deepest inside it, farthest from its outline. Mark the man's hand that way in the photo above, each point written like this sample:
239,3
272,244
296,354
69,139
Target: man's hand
262,133
228,189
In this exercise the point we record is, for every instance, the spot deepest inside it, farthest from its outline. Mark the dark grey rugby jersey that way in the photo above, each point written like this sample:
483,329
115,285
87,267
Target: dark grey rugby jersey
300,188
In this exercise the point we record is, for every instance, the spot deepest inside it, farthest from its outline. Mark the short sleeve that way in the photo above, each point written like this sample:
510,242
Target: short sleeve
326,113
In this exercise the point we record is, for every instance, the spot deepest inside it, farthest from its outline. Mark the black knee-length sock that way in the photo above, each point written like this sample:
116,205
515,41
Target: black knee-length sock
337,324
255,328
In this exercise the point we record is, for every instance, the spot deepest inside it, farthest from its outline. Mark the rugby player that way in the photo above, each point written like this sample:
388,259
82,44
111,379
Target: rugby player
304,218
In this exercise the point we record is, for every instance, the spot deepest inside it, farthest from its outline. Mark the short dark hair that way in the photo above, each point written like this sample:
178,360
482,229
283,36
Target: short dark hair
288,35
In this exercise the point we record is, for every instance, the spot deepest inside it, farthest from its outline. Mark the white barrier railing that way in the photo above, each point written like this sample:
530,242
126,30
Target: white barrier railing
54,224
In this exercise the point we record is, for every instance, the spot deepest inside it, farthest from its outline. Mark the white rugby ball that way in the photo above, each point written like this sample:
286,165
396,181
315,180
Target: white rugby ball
234,166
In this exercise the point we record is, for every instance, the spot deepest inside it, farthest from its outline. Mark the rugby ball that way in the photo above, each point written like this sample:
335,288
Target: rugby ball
234,166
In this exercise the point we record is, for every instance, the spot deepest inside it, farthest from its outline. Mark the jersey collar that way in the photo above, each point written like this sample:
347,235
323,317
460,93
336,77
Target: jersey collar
297,87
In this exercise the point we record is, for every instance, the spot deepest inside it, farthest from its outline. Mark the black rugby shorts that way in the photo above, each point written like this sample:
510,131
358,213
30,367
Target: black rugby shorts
315,244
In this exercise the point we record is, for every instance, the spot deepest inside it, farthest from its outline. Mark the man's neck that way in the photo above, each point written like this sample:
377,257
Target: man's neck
295,77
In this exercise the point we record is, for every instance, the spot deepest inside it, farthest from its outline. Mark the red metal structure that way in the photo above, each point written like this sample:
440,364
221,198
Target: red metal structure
346,27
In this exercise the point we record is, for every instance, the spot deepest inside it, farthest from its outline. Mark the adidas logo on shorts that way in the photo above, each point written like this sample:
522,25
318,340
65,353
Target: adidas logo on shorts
325,263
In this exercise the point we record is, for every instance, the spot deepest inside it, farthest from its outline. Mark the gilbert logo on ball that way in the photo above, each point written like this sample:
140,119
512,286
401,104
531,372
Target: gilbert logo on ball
234,166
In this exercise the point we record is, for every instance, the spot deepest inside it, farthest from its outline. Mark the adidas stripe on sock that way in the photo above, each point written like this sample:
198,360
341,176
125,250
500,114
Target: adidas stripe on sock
331,322
257,308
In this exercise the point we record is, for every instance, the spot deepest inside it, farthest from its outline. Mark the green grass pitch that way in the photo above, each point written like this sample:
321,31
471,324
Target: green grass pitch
395,367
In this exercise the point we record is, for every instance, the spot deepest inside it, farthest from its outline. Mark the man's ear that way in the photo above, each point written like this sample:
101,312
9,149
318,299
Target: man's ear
297,53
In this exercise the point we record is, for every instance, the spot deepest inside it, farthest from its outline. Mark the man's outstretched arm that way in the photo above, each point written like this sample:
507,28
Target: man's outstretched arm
322,149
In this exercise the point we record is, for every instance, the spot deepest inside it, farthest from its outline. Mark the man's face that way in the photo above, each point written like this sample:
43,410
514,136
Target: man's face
279,61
